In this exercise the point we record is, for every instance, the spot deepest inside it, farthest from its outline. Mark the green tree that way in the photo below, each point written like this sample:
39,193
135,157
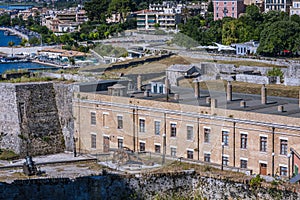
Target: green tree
210,7
34,41
276,72
97,9
279,36
123,7
71,60
5,20
23,42
230,33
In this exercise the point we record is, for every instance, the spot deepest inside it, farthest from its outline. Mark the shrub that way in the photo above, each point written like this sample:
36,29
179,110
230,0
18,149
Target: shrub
8,155
256,182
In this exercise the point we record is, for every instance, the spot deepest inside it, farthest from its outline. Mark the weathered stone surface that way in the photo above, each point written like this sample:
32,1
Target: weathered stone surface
29,119
167,186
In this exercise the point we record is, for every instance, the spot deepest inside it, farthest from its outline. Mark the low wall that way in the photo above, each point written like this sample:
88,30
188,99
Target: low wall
256,79
137,62
165,185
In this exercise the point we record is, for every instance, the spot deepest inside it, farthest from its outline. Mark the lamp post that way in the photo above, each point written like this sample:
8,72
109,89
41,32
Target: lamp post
289,169
273,155
223,144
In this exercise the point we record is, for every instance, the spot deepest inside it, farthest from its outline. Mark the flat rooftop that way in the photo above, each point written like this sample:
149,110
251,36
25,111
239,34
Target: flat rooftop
252,101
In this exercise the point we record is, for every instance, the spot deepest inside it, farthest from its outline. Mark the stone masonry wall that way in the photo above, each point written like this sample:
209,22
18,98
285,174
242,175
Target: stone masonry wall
9,118
166,185
39,122
63,99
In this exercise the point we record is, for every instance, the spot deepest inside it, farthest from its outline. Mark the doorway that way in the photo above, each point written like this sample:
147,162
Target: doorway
105,144
263,169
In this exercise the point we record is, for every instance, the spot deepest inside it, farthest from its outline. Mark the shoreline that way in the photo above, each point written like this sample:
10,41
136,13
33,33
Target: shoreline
18,33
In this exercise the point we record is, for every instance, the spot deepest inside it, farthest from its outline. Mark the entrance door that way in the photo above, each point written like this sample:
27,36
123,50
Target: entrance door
296,170
105,144
263,169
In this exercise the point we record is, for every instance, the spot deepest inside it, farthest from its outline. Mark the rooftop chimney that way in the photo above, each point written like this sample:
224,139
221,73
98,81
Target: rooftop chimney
146,93
214,103
197,89
208,100
229,91
263,94
280,108
176,97
139,83
167,86
243,104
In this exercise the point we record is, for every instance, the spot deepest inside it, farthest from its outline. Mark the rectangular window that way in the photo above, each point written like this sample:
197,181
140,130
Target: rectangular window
157,148
142,125
173,151
120,143
283,171
244,141
263,144
244,164
190,154
157,127
93,141
207,157
190,132
283,147
142,146
225,160
120,122
105,120
173,130
93,118
206,135
225,138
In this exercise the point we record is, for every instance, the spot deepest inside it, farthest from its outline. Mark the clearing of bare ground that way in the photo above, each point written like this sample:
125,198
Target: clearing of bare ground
148,68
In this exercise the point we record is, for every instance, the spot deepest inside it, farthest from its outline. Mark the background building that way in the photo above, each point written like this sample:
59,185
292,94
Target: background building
295,8
224,8
281,5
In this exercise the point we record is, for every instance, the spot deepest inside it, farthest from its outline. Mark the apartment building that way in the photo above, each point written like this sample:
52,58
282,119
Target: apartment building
279,5
166,15
147,20
295,8
225,8
254,132
64,21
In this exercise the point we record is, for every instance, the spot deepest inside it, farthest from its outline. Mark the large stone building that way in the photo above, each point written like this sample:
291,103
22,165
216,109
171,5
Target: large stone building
255,132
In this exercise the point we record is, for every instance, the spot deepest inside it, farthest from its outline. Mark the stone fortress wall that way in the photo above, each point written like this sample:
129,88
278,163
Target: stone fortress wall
165,185
36,117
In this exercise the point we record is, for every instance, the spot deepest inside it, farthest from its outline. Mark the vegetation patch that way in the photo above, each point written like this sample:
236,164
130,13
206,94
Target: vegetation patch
8,155
109,50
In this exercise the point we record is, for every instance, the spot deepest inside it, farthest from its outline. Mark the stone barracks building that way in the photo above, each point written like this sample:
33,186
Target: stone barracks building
254,132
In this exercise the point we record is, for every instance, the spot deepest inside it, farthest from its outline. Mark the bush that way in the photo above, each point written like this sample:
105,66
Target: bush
256,182
8,155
